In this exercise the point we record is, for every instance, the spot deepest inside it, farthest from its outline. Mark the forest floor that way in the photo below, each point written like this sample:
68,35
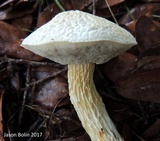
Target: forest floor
34,100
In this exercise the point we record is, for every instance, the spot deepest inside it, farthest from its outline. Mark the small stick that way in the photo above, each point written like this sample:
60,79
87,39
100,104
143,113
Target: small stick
59,5
47,78
94,7
31,63
37,130
24,97
111,12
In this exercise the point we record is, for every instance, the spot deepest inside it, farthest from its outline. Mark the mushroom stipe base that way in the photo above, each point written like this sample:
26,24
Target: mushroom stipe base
88,104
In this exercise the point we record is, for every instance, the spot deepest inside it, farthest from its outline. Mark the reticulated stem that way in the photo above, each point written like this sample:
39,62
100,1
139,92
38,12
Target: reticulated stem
88,104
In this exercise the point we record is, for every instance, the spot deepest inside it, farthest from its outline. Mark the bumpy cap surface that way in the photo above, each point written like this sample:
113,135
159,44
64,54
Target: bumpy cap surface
77,37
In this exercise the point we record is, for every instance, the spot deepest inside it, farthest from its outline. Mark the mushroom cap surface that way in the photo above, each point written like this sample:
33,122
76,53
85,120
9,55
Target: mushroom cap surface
76,37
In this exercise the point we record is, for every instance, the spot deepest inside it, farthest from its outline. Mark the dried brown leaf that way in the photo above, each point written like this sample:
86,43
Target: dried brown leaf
23,23
150,58
151,65
49,92
147,33
143,86
10,39
131,26
120,67
47,14
152,131
17,9
139,10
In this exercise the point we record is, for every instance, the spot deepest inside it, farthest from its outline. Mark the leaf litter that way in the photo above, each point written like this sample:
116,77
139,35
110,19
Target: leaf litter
34,90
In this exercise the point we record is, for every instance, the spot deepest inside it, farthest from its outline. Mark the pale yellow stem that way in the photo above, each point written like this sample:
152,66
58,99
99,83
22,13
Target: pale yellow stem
88,104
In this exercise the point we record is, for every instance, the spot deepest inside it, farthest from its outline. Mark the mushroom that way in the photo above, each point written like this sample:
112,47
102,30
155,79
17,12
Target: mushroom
82,40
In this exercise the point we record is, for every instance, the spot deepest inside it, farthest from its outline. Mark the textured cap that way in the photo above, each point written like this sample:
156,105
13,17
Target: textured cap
77,37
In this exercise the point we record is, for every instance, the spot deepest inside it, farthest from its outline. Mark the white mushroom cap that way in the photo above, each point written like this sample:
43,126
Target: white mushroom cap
77,37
